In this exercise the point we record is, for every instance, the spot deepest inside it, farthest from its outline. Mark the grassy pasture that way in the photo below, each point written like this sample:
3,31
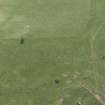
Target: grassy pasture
45,41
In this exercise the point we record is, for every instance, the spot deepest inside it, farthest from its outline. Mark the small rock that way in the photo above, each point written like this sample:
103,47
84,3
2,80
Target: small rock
56,81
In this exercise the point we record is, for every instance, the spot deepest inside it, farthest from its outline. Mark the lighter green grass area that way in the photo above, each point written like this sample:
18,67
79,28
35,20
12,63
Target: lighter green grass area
63,40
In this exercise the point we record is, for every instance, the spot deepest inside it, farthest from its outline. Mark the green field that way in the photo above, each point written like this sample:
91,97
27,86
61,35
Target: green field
52,52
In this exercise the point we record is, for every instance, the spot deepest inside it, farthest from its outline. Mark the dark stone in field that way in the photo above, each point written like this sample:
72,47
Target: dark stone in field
103,57
22,41
56,81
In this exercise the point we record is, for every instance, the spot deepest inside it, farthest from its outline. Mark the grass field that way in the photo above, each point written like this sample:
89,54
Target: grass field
52,52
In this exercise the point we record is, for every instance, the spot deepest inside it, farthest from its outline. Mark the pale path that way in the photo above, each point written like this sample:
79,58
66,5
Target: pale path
93,53
93,38
97,96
